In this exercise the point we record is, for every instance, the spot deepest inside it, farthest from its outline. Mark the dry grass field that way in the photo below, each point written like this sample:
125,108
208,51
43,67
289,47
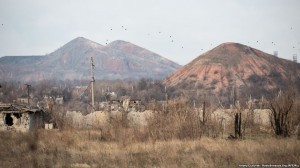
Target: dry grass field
87,148
177,137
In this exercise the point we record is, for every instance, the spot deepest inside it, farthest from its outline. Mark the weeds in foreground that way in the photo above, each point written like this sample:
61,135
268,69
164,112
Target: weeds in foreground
85,148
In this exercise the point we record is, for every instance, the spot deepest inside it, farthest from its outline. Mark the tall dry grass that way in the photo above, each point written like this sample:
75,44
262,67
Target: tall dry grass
86,148
173,137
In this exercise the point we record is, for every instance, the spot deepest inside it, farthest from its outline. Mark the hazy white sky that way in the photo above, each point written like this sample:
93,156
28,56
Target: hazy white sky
35,27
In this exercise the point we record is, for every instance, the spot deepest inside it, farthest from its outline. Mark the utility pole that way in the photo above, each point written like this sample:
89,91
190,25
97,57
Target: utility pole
92,81
28,86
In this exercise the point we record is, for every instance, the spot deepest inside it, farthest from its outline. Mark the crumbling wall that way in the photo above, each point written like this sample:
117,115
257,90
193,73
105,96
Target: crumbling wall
95,119
36,120
100,118
2,124
21,121
14,121
139,118
260,116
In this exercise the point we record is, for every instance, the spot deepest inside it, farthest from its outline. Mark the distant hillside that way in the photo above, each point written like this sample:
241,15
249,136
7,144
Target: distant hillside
230,65
117,60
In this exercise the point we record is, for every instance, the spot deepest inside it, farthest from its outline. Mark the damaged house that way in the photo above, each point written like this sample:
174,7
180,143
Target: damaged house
20,117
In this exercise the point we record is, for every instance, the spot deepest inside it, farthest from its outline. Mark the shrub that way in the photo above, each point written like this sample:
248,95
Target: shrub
177,122
281,107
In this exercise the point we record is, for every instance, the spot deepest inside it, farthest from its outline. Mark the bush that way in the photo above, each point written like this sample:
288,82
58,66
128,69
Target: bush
282,107
177,122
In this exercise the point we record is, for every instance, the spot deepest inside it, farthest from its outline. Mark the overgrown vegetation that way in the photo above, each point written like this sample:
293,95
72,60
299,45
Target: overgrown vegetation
284,114
85,148
183,130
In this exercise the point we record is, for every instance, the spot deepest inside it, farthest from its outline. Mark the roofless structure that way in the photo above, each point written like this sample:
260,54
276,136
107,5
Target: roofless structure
20,117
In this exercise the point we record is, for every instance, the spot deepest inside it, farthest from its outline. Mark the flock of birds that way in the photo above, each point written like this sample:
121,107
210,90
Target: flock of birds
172,40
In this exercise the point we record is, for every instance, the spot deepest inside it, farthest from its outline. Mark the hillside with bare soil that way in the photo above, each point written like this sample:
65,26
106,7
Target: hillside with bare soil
232,64
117,60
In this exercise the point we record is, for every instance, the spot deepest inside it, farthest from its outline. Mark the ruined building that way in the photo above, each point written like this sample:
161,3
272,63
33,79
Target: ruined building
20,117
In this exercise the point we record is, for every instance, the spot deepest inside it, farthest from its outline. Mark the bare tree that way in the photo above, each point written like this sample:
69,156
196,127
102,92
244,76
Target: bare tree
237,125
281,107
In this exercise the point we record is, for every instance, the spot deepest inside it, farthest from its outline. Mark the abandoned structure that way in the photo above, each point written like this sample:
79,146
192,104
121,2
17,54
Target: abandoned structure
20,117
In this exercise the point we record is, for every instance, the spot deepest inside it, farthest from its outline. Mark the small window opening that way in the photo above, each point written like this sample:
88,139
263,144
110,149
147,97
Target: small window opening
9,120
